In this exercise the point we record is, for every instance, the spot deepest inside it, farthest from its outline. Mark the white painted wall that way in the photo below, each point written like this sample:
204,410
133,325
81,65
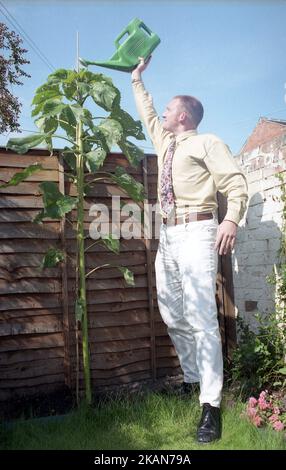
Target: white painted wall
259,233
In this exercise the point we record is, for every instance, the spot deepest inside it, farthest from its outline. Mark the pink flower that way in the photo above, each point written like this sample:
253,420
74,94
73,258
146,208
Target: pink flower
251,412
252,401
273,418
278,426
257,421
276,410
263,405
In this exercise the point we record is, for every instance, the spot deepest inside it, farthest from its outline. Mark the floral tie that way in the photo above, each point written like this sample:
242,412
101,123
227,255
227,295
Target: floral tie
166,185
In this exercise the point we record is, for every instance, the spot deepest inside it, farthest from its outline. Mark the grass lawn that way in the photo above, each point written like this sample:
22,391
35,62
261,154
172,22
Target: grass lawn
148,422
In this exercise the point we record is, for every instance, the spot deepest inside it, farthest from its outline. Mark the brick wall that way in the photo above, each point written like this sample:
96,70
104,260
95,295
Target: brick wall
259,234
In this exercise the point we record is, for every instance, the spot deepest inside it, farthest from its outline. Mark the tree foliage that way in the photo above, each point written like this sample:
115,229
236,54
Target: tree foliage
12,59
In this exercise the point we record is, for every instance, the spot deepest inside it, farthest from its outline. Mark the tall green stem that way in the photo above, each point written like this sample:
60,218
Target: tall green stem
81,260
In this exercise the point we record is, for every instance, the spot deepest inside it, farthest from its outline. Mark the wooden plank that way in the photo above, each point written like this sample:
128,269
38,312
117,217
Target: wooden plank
129,317
25,392
14,274
49,230
19,215
107,273
225,292
100,284
23,189
17,357
17,261
65,303
7,173
116,360
10,159
150,278
33,381
134,377
117,295
119,346
27,202
118,307
119,333
30,370
24,286
119,371
31,325
25,313
166,351
25,245
31,342
169,371
135,245
127,259
28,301
97,191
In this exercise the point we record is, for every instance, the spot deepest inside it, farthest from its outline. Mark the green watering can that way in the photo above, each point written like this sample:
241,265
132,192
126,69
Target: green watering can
140,43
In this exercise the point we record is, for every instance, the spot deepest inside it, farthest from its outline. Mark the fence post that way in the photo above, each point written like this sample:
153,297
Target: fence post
147,242
66,326
226,290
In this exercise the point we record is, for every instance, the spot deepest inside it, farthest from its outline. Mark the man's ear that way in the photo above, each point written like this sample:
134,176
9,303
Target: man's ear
183,116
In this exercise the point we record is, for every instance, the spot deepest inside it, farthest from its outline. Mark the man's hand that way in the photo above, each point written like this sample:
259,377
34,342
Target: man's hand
226,235
136,74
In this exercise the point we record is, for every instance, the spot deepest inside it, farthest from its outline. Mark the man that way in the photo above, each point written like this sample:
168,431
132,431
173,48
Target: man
192,167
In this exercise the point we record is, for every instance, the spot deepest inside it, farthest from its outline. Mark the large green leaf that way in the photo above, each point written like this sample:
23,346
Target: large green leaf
23,144
45,95
88,77
132,187
111,243
22,175
87,118
67,121
77,110
53,108
128,275
52,258
69,85
94,159
70,157
49,124
55,203
132,152
48,87
98,137
58,76
112,131
104,94
130,126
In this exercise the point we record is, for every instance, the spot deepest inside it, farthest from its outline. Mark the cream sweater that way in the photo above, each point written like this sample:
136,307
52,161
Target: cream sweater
202,165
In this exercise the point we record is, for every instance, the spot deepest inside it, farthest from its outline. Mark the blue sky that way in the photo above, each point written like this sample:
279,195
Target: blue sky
231,55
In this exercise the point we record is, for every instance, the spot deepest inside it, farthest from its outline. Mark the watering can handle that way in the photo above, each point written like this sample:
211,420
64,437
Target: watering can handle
126,30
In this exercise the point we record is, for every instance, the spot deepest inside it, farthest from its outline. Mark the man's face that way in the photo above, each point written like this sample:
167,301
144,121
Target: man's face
172,115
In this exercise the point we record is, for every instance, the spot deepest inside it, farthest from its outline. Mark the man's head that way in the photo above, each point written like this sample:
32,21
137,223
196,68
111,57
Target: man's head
182,113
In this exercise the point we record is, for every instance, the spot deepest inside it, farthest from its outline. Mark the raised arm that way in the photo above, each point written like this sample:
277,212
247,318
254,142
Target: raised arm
144,102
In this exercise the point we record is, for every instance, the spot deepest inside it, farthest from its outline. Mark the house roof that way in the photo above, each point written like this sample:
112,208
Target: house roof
265,130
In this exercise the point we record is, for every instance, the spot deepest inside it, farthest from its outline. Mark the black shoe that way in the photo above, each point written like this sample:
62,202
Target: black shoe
188,389
183,390
209,428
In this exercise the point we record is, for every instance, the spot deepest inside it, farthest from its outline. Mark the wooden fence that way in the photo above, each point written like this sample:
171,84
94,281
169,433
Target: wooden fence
128,340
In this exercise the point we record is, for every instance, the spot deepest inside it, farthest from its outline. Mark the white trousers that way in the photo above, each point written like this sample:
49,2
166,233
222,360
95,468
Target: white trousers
186,268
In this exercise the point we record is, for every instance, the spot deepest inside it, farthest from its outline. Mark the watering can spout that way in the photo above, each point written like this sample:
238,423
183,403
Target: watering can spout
140,42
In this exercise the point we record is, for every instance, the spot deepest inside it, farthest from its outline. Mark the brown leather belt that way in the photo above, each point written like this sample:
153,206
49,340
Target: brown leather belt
191,217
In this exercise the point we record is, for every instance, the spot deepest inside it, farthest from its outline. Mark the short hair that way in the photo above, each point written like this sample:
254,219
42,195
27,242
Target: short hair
193,107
